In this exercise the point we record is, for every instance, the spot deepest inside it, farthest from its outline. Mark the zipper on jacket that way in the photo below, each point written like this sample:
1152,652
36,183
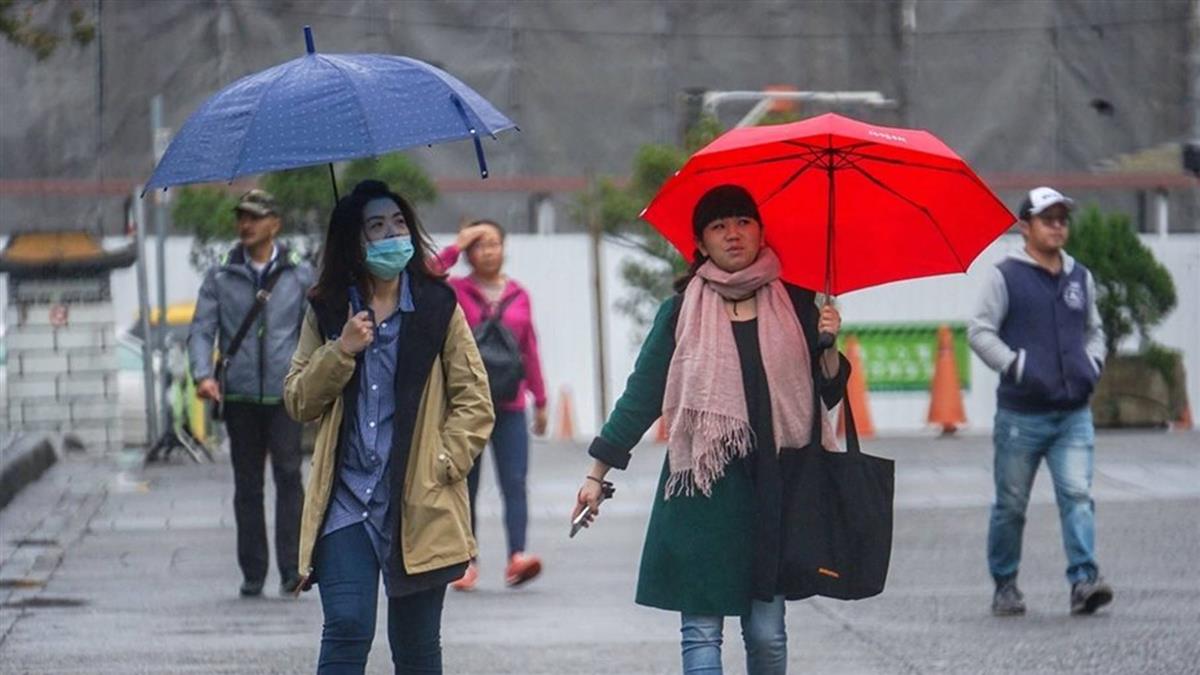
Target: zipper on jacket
262,361
262,332
262,365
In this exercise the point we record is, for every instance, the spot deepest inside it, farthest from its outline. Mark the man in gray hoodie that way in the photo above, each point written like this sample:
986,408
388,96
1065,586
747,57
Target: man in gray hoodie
252,388
1038,326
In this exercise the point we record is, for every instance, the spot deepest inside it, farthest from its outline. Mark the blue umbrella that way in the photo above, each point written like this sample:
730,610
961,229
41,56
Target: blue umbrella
324,108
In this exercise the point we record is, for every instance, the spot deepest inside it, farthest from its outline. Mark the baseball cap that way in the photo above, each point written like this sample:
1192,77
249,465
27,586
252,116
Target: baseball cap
257,202
1041,198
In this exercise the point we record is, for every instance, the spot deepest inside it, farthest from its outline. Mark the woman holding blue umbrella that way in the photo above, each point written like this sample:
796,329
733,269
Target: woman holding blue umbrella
386,362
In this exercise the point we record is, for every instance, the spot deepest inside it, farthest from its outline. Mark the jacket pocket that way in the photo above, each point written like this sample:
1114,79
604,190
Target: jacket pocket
1035,377
1083,374
445,470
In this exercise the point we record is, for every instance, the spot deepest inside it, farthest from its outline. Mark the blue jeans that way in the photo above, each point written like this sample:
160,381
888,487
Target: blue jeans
1066,440
348,578
763,633
510,446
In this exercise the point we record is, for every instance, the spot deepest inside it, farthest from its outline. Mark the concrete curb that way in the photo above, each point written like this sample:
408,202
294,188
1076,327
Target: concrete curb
23,462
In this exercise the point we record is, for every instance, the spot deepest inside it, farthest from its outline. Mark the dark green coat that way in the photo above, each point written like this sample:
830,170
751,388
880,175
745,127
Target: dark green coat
699,551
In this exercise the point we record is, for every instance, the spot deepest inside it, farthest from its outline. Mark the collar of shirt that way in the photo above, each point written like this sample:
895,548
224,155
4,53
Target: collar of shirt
404,304
406,299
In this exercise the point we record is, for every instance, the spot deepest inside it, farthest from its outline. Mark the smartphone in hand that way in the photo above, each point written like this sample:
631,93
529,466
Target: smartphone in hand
606,491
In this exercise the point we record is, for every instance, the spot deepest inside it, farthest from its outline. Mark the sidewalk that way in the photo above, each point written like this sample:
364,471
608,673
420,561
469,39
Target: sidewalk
101,574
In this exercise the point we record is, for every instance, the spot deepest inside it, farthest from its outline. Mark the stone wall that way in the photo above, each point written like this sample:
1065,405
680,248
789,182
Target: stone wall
62,365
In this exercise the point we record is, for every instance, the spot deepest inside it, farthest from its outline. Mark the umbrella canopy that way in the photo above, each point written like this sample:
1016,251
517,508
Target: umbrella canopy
323,108
845,204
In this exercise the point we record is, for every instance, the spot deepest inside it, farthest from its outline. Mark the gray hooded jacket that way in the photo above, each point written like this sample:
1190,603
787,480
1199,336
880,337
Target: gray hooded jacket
1047,342
257,370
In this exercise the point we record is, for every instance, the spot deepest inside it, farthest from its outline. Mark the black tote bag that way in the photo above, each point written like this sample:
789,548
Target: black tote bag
837,524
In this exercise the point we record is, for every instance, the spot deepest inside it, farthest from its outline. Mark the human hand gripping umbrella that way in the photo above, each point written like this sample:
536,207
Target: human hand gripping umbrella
325,108
847,205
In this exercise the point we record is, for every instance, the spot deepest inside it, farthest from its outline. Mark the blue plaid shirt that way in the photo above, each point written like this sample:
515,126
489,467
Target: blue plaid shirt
362,491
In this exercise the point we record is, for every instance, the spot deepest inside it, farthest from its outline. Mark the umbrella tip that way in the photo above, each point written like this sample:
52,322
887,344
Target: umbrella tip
308,40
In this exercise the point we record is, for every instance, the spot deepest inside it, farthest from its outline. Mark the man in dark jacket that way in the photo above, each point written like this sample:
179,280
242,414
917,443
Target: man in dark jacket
1037,325
252,387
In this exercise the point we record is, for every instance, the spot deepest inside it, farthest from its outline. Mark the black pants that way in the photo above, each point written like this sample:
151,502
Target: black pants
254,432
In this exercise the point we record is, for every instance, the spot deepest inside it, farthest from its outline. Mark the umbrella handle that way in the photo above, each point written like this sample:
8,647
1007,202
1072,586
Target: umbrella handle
825,341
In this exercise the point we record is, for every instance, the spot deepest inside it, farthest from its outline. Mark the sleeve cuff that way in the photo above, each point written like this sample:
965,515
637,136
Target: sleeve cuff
608,453
342,361
833,390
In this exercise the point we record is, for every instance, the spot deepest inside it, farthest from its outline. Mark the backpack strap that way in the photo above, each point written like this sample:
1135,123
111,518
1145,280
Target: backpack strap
260,301
500,308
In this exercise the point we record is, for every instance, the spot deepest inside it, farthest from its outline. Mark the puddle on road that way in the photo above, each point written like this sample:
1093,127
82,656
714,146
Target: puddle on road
44,603
21,583
35,542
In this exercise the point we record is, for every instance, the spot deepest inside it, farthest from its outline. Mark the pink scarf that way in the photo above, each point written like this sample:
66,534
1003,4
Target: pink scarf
705,401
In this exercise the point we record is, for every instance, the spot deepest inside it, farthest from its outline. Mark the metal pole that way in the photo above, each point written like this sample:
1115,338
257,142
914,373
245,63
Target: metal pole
158,137
144,318
908,67
1194,75
597,238
1192,147
713,99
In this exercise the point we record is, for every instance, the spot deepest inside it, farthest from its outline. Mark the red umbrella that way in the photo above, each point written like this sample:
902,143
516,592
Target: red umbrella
846,204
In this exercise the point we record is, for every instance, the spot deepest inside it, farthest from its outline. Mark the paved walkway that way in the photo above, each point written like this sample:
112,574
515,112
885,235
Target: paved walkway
105,568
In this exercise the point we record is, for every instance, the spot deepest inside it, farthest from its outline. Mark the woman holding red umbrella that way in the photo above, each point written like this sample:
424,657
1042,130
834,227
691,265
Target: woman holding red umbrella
732,363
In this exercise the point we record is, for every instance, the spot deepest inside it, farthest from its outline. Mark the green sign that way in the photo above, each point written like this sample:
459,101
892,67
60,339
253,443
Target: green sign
901,357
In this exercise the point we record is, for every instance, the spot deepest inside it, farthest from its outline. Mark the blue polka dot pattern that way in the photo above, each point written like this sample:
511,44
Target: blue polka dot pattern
323,108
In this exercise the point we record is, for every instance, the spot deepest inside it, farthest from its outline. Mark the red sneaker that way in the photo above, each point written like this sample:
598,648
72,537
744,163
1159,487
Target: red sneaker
468,580
522,568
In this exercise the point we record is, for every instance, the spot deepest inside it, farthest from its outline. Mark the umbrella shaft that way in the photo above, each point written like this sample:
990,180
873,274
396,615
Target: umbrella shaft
333,179
829,234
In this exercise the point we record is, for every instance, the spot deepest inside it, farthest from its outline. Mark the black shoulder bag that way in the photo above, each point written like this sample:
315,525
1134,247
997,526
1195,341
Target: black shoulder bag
837,529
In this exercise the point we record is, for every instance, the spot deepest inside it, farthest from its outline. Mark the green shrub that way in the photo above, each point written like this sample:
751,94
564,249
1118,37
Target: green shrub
1134,292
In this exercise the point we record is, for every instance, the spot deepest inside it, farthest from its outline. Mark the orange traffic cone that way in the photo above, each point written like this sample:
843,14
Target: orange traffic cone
945,401
1185,422
566,416
856,393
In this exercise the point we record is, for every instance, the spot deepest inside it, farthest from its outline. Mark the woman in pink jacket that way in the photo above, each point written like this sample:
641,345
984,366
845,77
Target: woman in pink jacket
483,293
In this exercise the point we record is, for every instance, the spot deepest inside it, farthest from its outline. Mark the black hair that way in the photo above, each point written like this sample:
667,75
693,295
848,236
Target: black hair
343,257
723,201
